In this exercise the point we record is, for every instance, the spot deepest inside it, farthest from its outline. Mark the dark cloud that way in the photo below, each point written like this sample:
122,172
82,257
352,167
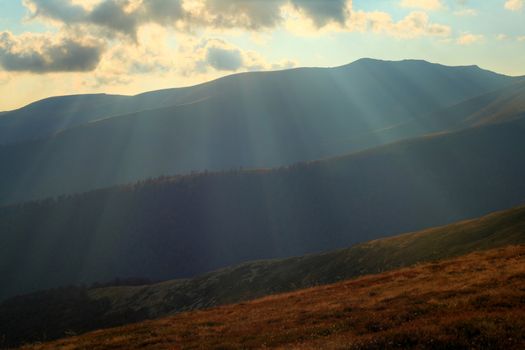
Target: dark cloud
227,59
65,56
322,12
255,14
59,10
111,15
249,14
252,14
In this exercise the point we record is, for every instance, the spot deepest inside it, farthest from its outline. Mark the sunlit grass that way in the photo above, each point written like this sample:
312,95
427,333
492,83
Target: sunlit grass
475,301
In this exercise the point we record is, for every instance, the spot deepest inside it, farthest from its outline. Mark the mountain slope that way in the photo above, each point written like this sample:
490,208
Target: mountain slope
46,117
495,107
177,227
248,120
475,301
79,310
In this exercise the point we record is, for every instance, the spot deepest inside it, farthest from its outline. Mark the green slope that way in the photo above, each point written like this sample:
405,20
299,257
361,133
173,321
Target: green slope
255,279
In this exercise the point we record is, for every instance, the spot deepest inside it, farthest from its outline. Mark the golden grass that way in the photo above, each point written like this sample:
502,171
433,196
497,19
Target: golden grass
476,301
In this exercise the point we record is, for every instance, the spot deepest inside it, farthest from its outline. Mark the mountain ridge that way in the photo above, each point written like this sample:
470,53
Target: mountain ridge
240,121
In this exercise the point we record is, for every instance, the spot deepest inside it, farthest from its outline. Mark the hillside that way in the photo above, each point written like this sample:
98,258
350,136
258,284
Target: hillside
183,226
494,107
475,301
247,120
78,310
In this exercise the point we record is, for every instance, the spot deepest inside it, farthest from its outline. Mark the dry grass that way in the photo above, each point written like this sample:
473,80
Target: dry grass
476,301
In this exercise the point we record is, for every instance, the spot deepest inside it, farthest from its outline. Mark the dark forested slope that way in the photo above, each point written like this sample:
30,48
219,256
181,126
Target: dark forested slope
176,227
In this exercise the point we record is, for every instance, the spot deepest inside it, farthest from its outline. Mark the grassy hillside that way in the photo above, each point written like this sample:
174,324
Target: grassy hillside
79,309
256,279
180,227
475,301
246,120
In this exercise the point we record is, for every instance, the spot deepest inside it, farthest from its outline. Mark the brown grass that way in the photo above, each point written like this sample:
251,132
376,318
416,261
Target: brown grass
473,302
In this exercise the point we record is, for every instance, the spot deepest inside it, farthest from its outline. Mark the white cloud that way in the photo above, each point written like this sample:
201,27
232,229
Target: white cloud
415,24
514,5
466,12
122,61
468,39
430,5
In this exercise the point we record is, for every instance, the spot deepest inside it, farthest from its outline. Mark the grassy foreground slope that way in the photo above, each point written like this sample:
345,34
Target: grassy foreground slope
475,301
260,278
77,310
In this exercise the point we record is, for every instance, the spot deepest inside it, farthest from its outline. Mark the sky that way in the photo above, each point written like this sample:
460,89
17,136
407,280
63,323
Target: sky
63,47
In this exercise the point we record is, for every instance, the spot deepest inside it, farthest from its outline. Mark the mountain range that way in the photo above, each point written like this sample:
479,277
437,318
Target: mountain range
251,120
461,154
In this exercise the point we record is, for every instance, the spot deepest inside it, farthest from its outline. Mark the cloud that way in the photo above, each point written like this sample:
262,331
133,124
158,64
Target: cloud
121,24
112,16
468,39
220,55
125,16
150,56
4,77
514,5
41,53
323,12
415,24
240,13
466,12
430,5
259,14
224,58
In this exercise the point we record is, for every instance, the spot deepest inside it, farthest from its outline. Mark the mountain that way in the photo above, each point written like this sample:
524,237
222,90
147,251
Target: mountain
497,106
49,116
187,225
250,120
474,301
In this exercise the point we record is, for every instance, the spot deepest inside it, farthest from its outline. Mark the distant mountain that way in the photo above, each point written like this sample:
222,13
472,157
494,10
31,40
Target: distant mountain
307,85
249,120
183,226
76,310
